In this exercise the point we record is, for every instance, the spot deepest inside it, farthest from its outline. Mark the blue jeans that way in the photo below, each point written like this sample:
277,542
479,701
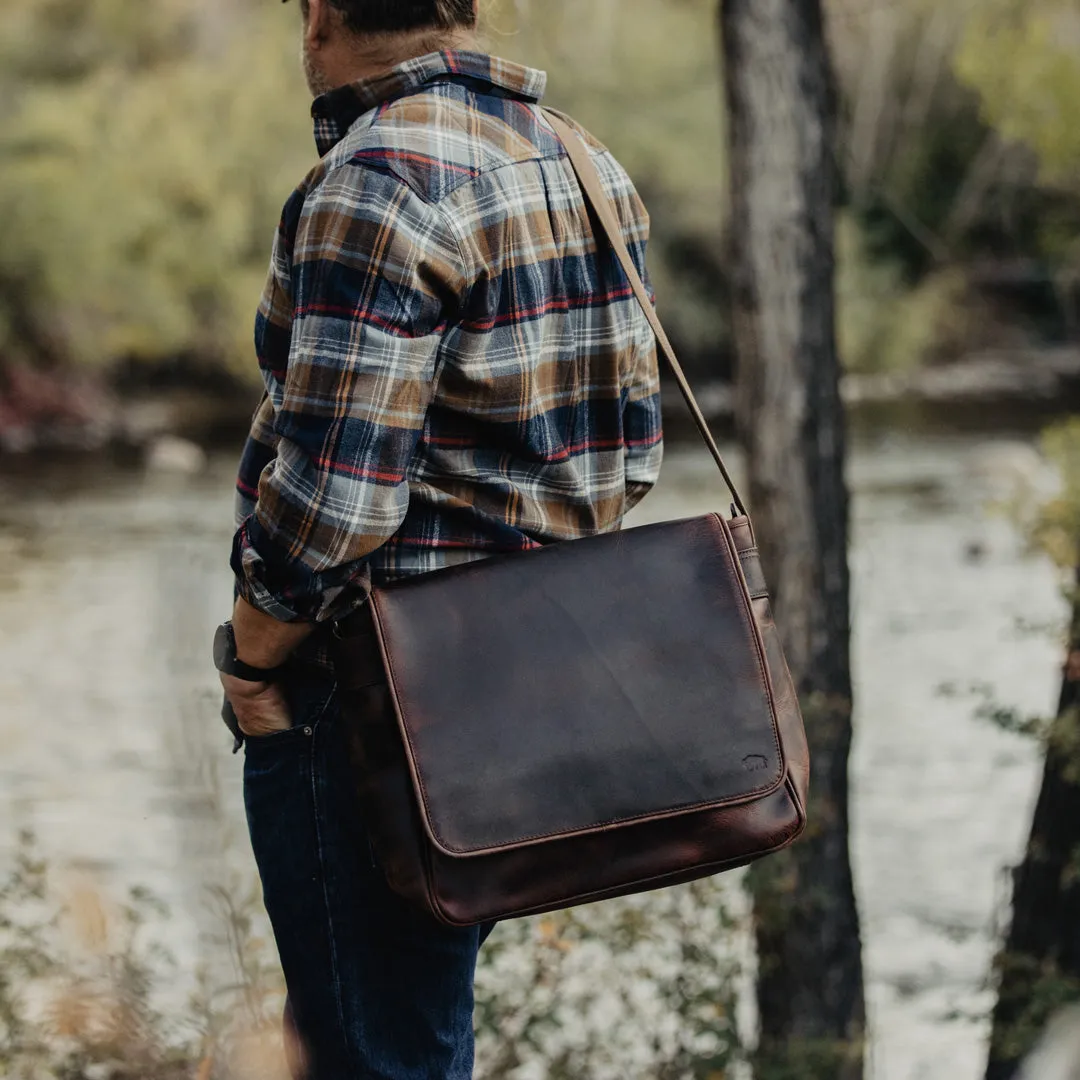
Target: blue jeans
376,988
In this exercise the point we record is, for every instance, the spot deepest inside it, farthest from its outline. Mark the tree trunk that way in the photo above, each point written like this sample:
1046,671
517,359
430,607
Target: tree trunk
1039,968
782,113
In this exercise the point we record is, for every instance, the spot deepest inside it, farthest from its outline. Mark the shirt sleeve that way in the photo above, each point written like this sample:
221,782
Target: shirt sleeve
376,274
643,427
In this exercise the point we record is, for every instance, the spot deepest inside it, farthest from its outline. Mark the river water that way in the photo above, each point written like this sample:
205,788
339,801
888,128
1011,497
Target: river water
112,581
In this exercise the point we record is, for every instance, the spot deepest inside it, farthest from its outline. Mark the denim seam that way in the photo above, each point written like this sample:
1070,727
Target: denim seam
330,935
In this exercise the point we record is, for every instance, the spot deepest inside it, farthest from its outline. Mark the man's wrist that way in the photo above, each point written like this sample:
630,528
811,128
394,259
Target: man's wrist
249,654
229,662
263,642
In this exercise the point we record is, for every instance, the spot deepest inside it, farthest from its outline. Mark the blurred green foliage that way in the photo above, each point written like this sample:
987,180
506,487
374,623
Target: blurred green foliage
1023,56
885,322
146,150
957,236
1054,526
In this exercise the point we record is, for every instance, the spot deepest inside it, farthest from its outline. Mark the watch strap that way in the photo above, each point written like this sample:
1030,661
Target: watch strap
227,662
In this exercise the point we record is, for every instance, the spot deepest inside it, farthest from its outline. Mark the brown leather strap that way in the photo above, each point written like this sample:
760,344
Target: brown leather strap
596,197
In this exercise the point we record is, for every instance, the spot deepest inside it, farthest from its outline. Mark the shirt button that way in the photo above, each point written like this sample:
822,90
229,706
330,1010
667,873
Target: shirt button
308,731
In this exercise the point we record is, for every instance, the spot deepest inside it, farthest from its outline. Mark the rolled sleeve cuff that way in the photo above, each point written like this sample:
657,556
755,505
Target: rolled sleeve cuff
288,591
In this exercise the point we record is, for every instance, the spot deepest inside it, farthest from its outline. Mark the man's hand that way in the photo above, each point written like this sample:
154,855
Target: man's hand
260,708
261,642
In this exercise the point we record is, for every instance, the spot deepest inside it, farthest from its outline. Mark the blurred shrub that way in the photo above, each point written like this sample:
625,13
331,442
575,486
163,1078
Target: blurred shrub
642,988
909,133
80,985
1024,59
637,989
1055,525
885,324
960,241
1023,56
144,159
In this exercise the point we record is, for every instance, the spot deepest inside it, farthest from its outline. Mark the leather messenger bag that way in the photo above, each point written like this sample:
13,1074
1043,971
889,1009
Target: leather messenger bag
594,718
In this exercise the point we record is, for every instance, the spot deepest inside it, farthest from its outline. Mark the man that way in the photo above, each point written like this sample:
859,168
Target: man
453,370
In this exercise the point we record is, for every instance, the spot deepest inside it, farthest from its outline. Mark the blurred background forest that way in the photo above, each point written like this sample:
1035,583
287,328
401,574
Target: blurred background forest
146,150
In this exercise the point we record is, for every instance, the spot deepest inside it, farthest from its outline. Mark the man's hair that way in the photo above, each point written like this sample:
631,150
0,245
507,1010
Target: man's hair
401,16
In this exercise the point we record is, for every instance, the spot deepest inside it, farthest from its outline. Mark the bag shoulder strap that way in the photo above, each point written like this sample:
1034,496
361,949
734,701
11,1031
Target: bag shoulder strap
600,204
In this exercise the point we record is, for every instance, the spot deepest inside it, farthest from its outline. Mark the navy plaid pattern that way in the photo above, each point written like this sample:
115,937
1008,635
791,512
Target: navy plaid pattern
452,368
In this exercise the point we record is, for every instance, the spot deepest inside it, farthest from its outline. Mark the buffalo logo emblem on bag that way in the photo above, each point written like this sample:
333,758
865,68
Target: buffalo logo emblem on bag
755,763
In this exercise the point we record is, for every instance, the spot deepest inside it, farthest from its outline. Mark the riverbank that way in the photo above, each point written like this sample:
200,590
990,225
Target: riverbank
46,413
1008,389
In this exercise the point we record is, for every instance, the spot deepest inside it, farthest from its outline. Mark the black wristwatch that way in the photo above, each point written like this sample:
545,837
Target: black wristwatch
226,662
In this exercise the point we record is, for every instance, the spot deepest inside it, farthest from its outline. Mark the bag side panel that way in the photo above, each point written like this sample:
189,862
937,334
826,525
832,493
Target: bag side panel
785,698
385,796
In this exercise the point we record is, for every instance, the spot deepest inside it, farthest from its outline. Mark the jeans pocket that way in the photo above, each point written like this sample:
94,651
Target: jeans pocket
310,696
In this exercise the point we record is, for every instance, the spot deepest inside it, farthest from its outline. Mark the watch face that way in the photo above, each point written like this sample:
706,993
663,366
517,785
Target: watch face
223,648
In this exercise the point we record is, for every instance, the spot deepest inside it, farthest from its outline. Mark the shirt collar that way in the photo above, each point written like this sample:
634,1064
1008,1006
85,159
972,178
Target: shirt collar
334,113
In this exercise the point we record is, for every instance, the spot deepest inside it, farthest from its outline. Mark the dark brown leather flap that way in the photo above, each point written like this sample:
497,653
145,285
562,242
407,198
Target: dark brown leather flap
580,687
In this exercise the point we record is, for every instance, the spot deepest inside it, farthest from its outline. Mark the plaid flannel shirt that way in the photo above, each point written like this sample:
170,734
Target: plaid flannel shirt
452,368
